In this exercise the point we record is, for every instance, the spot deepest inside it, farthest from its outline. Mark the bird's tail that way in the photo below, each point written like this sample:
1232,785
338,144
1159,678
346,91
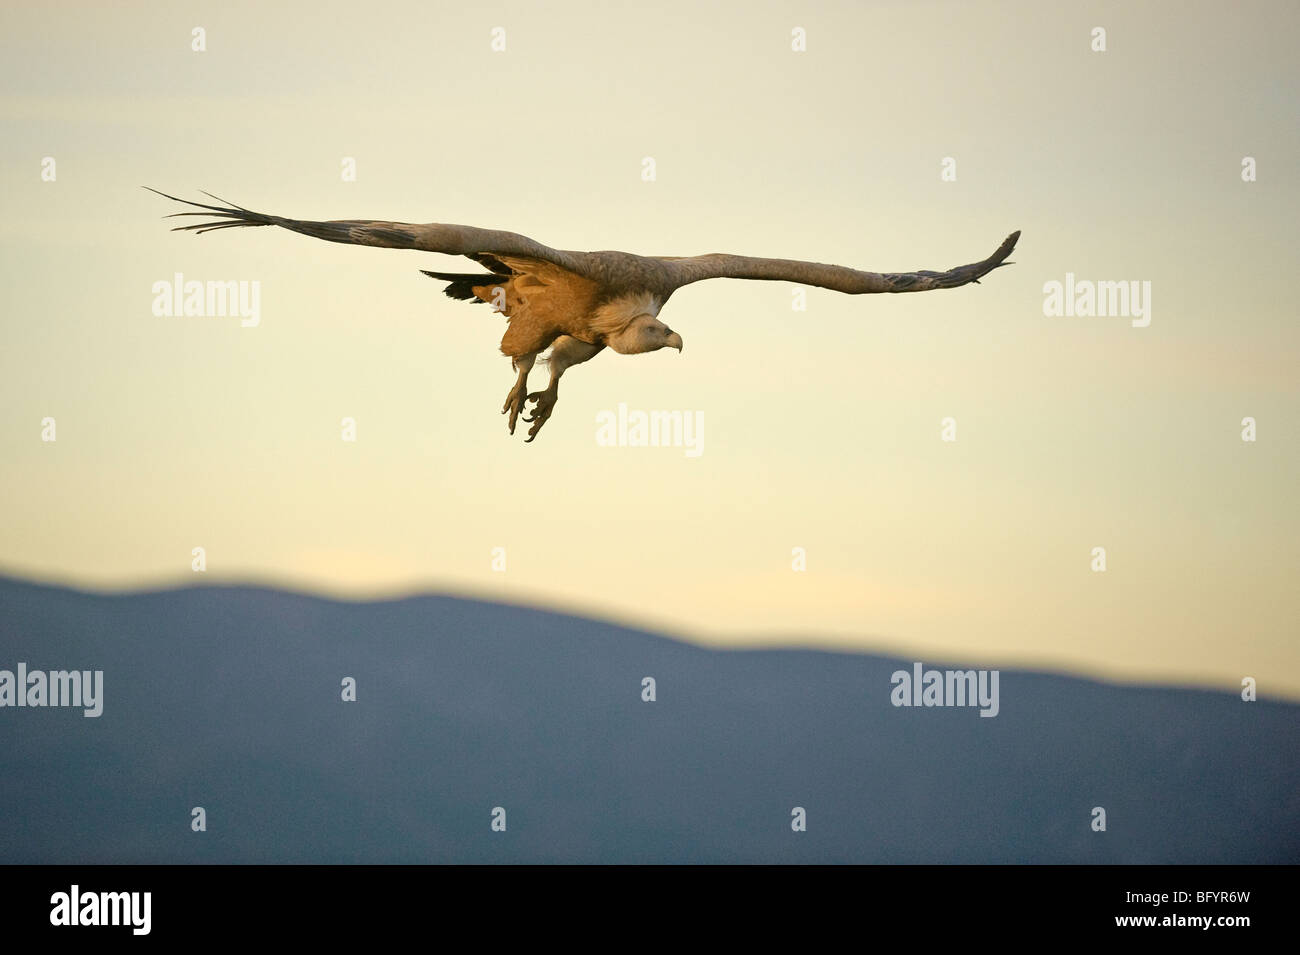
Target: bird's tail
462,284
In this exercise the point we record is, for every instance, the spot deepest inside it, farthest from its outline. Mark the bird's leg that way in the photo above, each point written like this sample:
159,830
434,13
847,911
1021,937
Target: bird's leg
565,353
518,394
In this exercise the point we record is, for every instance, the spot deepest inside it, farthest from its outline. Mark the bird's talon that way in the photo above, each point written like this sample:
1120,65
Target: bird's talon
514,404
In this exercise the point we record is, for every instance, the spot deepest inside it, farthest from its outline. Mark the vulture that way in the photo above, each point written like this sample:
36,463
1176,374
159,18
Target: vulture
577,303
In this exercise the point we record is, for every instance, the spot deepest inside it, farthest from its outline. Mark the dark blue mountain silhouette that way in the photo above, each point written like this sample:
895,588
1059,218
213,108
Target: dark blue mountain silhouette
229,698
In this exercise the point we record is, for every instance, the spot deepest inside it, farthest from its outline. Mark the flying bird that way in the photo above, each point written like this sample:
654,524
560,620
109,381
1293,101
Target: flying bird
577,303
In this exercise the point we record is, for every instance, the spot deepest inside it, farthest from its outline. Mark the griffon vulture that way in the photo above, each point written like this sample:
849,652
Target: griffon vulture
579,303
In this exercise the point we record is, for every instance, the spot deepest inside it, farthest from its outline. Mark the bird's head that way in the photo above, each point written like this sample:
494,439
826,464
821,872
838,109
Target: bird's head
643,334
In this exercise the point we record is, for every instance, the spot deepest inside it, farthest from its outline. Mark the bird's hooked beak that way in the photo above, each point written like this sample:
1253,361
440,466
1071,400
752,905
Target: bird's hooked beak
675,341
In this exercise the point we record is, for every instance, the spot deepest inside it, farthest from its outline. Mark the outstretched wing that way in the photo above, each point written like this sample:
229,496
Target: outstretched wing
834,277
482,245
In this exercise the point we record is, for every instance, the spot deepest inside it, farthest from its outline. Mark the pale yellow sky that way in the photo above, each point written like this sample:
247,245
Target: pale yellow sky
821,428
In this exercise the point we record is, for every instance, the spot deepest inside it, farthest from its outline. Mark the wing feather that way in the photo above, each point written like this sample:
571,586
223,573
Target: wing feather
483,245
835,277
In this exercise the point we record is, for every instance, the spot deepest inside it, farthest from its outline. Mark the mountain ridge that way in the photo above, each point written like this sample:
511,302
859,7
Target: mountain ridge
229,697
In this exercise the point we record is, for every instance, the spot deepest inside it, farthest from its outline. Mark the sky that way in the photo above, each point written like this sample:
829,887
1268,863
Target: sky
822,428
